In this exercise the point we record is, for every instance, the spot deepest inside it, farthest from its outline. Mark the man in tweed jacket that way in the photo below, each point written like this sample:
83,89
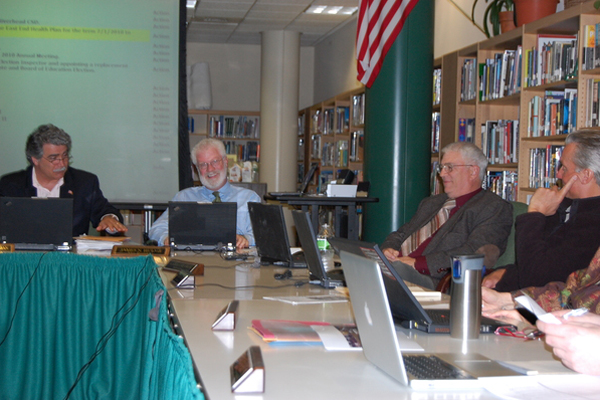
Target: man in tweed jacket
479,221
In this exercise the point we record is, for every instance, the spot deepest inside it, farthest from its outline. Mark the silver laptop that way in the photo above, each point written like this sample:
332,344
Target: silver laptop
197,226
380,343
37,224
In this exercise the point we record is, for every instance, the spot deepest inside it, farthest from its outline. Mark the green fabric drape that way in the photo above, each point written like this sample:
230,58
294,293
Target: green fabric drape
62,311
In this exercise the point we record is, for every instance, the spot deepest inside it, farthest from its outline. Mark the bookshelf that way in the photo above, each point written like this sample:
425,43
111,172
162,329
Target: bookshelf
533,86
239,131
331,134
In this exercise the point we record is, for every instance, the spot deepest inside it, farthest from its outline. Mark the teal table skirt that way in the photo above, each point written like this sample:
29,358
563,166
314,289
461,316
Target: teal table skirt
85,327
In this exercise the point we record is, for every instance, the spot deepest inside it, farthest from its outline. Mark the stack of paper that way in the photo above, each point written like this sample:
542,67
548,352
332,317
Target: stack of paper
98,243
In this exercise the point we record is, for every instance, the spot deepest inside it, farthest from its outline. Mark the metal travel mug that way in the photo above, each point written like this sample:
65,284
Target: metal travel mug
465,296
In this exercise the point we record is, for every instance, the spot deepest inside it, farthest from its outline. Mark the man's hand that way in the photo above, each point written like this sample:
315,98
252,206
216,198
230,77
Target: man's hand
391,254
546,201
111,225
241,242
576,341
493,278
407,260
493,301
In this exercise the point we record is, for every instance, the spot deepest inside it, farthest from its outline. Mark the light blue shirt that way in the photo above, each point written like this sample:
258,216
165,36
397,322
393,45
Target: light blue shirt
228,193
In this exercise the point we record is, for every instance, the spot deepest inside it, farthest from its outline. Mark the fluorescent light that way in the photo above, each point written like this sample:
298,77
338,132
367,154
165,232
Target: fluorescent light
191,4
333,10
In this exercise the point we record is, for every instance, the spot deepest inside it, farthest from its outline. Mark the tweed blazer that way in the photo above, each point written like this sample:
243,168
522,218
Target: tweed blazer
481,226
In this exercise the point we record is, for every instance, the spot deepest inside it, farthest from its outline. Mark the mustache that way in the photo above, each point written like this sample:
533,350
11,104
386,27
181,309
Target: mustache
61,169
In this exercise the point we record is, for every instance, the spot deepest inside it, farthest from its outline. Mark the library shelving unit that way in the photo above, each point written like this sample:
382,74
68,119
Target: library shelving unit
331,134
532,86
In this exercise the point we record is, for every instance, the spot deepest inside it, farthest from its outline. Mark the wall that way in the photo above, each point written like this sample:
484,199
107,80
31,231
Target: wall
235,74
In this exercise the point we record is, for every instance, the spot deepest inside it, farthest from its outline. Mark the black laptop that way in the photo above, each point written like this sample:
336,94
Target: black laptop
37,224
197,226
305,182
270,235
308,239
406,309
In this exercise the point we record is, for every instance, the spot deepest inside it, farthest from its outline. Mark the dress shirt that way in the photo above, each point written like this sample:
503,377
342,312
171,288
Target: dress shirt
228,193
42,191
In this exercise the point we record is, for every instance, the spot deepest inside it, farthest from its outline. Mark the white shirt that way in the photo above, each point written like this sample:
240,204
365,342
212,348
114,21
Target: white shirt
42,191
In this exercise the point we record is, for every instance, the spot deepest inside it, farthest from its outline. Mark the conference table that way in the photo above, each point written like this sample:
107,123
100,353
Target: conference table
297,371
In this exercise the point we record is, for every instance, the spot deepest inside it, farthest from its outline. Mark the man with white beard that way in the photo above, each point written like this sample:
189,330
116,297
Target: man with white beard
210,158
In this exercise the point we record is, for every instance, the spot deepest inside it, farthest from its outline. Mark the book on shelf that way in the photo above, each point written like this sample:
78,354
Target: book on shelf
316,147
499,75
468,80
342,119
466,129
553,59
244,151
435,131
591,102
327,122
543,166
325,177
437,86
588,54
341,157
553,114
358,109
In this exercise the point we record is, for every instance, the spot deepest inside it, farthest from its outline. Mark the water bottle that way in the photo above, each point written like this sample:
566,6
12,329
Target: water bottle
465,300
325,232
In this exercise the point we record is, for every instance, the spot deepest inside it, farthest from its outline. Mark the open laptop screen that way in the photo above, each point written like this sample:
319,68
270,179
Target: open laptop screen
33,223
202,226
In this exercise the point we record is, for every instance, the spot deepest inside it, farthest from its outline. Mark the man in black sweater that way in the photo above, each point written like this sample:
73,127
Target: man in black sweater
561,230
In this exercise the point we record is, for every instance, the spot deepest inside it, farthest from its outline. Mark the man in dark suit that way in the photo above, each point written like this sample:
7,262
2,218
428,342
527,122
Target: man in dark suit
464,220
49,175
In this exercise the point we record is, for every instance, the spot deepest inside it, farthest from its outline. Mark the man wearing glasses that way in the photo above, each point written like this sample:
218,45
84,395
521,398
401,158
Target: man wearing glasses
48,150
464,220
210,158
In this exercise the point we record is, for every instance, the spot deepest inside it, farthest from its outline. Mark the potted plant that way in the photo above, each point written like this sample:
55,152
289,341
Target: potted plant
498,13
531,10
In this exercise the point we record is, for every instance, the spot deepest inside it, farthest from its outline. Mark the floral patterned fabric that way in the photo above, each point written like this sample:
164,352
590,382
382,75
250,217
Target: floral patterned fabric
582,289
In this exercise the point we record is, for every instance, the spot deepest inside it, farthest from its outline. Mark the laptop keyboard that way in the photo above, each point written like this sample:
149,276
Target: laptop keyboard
439,317
432,367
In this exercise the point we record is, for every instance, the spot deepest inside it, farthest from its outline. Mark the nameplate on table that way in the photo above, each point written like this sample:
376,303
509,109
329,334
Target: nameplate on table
7,247
138,250
248,372
227,317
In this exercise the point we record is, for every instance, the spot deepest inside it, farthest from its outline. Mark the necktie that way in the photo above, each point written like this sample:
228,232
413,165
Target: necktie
217,197
414,241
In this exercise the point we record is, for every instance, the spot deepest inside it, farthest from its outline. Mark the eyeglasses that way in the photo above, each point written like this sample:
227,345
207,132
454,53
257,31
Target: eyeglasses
218,163
449,167
527,334
54,159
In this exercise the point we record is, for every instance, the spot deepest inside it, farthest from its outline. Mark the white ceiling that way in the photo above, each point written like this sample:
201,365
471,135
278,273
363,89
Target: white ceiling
241,21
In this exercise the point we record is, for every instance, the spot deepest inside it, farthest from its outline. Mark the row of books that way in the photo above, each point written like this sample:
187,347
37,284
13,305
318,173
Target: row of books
435,131
335,153
555,58
591,47
358,109
330,121
246,151
592,103
437,86
241,127
500,140
500,76
543,166
553,114
503,183
357,145
468,80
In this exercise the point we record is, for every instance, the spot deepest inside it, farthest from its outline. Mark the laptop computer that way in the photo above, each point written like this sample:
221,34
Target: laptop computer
317,273
202,226
270,235
303,187
37,224
404,305
380,343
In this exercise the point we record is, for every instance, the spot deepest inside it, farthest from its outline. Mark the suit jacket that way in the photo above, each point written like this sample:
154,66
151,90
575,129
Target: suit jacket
89,204
481,225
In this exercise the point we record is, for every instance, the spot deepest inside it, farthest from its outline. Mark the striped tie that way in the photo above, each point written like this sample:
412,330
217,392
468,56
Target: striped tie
417,238
217,197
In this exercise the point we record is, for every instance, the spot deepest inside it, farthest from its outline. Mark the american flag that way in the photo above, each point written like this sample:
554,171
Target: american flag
379,22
